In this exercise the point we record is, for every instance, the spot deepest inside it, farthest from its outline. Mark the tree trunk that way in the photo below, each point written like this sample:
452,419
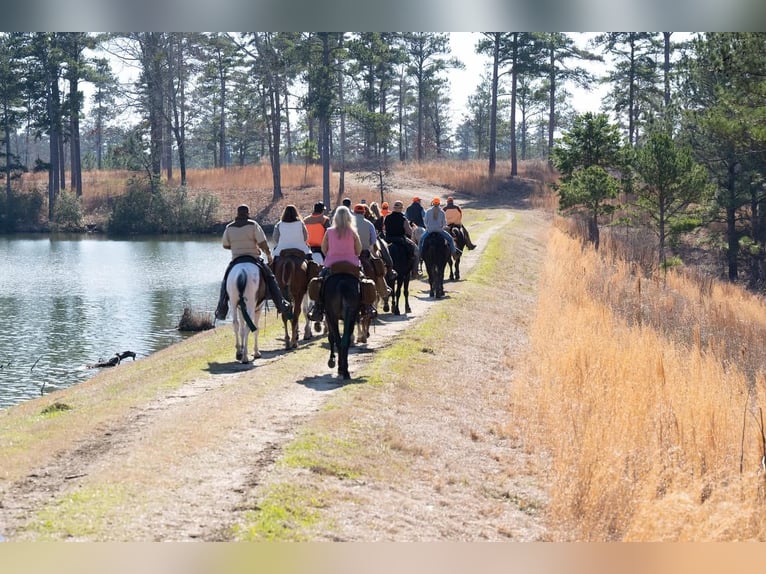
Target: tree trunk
514,81
493,109
732,250
341,143
551,101
74,139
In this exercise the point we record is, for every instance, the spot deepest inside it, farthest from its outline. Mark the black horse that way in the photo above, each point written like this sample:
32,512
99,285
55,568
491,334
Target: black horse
401,259
342,301
435,254
459,237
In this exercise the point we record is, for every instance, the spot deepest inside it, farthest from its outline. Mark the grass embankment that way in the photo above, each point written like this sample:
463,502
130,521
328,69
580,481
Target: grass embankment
32,435
647,396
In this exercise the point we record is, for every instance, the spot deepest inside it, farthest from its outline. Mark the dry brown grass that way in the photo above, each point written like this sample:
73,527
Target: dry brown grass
471,178
302,186
646,422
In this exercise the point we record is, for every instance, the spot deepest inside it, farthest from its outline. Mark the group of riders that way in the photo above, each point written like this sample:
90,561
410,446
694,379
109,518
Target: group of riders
358,235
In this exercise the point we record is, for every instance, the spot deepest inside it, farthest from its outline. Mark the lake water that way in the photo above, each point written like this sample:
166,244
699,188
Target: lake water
66,302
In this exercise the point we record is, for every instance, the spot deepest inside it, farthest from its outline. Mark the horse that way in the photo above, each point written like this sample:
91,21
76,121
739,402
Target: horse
246,294
342,301
436,253
459,237
292,272
401,259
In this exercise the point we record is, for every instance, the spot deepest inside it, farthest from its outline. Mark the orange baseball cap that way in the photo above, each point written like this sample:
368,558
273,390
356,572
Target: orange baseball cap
359,208
415,199
436,201
384,205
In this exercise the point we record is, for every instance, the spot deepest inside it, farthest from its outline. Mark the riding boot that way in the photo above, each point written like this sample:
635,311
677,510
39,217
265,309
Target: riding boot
316,312
468,243
223,303
283,306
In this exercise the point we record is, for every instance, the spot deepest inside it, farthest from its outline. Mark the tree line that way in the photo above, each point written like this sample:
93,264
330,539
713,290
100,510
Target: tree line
364,100
224,99
684,153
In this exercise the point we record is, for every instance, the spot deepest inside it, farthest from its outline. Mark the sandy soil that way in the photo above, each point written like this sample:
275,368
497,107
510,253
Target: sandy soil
190,464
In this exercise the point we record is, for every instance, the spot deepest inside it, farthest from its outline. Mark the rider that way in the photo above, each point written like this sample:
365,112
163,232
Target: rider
397,229
316,225
454,215
369,238
436,221
246,239
290,233
415,212
340,243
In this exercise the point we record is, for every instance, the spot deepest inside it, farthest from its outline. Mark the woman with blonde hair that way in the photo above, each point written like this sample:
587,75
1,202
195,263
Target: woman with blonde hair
340,243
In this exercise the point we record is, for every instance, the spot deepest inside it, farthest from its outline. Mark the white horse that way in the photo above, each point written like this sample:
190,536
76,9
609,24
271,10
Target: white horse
246,293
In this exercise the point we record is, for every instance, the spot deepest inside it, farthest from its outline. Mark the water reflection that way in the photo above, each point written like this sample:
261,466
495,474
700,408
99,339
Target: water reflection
66,302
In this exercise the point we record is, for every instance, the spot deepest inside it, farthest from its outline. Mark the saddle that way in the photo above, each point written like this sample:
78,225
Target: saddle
345,267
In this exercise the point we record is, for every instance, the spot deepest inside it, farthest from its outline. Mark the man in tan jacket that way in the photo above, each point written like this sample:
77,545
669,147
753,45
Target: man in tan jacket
246,240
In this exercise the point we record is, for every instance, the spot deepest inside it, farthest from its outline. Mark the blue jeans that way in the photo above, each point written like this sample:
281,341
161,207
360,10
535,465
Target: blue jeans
446,235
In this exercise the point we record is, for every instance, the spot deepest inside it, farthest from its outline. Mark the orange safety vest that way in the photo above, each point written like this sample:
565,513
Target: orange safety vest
316,225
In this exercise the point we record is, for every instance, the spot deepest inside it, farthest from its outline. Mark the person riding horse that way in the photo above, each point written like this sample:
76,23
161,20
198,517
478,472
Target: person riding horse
397,229
341,243
316,225
246,240
369,256
415,212
290,233
435,222
454,216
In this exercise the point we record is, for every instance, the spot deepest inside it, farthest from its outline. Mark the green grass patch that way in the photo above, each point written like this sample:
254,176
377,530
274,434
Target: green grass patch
284,515
322,454
79,515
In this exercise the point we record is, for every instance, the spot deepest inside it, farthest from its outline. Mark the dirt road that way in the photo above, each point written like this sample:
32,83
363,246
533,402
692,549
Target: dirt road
188,445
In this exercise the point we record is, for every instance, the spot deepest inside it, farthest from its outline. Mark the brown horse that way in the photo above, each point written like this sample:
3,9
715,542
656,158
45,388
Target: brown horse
292,272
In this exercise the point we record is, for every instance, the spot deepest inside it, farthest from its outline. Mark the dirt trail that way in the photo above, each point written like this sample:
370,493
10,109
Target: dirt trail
187,465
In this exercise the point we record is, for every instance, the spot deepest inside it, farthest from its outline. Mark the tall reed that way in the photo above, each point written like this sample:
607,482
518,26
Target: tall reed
651,434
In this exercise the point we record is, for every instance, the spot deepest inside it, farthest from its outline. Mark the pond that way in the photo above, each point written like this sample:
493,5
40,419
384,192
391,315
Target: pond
69,301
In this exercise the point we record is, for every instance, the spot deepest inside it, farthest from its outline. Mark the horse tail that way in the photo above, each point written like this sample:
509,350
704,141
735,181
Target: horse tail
287,270
241,284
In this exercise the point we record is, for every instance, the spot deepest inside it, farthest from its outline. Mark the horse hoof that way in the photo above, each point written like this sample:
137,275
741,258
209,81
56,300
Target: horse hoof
346,375
396,312
407,309
257,355
331,363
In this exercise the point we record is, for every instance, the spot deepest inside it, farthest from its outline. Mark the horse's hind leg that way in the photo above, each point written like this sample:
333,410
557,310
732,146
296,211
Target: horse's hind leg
407,308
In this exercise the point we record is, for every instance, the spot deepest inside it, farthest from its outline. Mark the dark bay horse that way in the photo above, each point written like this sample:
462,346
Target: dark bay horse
457,234
435,255
291,271
342,300
402,266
